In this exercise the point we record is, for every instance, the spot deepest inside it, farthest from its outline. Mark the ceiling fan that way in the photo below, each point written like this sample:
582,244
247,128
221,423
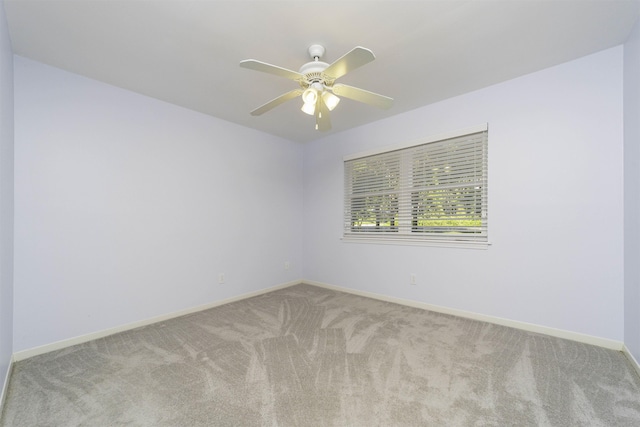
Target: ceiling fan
318,89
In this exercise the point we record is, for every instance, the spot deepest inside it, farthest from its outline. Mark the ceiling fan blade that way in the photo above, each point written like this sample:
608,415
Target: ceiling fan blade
253,64
277,101
356,57
362,95
323,121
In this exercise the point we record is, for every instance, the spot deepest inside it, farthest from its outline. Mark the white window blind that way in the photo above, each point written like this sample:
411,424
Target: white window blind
434,191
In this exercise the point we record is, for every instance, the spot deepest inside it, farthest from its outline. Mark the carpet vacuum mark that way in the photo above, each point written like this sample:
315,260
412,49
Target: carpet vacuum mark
309,356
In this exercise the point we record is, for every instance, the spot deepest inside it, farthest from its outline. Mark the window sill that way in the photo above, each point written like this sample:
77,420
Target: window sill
418,242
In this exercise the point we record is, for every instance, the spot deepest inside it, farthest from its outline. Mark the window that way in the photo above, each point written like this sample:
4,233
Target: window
430,191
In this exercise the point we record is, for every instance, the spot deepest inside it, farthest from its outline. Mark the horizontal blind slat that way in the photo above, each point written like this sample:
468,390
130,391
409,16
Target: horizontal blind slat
435,189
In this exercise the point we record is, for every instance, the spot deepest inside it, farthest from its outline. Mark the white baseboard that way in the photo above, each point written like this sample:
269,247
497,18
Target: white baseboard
559,333
632,359
25,354
3,395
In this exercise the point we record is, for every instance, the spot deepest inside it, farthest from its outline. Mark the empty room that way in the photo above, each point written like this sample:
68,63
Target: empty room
320,213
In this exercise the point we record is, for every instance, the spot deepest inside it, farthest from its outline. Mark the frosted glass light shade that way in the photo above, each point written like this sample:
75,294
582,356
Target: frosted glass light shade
309,108
330,100
310,96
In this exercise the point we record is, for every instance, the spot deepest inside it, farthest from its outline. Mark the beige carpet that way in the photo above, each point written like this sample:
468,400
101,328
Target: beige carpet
308,356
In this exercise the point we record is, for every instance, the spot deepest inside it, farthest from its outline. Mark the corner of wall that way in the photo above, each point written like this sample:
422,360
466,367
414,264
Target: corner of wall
6,202
631,93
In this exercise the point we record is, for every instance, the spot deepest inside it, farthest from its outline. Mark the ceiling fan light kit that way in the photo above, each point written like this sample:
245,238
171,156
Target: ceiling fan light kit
318,89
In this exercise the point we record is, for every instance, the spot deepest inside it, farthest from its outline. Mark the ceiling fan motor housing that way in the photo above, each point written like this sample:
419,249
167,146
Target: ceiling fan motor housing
313,72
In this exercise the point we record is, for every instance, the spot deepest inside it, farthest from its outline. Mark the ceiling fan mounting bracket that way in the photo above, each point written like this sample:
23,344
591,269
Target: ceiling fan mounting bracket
316,51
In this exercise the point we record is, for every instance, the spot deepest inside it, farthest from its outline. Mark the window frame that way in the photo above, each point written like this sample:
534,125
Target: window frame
401,230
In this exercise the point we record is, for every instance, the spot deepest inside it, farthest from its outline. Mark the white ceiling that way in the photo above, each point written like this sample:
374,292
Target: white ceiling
187,52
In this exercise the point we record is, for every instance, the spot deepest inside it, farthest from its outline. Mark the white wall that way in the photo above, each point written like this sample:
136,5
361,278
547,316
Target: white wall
120,206
632,192
6,199
128,208
555,204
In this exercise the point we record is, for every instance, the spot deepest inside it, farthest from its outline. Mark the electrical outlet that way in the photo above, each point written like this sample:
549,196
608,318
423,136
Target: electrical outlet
221,278
412,279
287,265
